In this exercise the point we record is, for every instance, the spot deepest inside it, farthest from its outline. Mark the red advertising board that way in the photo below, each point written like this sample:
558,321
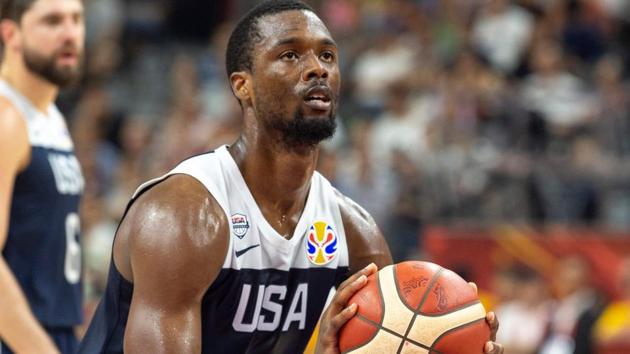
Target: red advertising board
480,251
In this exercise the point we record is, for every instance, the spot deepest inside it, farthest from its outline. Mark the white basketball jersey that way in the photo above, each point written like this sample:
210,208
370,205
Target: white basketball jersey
271,290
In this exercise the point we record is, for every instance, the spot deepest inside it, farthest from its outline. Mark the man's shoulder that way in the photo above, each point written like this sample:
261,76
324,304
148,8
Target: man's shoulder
6,103
352,213
366,242
176,226
14,140
174,188
12,121
173,234
178,211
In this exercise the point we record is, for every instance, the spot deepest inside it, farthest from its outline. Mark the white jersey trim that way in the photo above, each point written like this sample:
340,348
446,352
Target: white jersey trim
44,130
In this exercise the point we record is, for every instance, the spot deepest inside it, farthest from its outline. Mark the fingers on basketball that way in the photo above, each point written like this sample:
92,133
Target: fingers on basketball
416,307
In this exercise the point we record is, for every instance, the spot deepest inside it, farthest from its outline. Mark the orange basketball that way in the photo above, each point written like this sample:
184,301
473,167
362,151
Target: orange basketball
416,307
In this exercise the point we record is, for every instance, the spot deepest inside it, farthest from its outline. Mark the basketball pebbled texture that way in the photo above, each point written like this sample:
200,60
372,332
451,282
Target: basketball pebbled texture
415,307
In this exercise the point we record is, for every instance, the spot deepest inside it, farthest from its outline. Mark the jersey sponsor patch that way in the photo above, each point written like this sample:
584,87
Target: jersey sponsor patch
321,243
240,225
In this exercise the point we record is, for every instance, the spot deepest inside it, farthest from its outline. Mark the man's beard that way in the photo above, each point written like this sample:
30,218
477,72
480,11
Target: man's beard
303,131
45,67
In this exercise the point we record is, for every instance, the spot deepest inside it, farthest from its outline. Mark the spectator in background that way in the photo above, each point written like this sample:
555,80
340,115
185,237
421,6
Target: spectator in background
400,129
613,326
613,106
357,176
558,97
611,132
501,33
132,166
503,287
145,20
104,19
390,59
97,140
575,296
468,108
216,98
584,34
524,319
403,227
188,129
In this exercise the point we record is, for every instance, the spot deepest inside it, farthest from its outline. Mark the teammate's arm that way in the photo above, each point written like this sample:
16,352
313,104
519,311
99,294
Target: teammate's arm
19,328
176,235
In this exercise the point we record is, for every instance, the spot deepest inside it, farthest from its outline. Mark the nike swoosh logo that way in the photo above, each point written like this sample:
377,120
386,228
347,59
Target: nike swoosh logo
242,252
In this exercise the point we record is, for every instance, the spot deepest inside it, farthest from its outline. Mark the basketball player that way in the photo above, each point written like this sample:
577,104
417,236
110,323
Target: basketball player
40,178
237,250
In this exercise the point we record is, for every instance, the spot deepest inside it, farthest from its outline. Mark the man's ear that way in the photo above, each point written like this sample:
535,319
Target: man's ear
8,31
241,85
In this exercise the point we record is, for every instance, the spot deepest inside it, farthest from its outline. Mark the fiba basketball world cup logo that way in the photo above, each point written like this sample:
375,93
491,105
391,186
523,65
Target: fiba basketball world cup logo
321,243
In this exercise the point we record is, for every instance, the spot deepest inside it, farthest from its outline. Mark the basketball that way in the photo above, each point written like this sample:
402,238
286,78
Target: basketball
415,307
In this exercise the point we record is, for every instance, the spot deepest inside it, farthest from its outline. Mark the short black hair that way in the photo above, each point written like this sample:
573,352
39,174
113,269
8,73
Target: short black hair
238,56
14,9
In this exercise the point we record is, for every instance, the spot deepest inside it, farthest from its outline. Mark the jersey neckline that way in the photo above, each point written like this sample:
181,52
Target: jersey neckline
268,232
50,110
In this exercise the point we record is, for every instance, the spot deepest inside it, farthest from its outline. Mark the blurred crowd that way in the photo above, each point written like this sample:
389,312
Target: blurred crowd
562,312
488,111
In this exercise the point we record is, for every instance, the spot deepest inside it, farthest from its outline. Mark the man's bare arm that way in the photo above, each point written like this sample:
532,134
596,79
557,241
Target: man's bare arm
366,243
18,326
176,237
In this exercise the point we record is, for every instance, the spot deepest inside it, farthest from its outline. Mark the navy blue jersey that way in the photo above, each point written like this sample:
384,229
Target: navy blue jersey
270,292
291,318
42,248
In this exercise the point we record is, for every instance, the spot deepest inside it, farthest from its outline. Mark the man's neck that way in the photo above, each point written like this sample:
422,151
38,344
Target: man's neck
278,179
38,91
274,173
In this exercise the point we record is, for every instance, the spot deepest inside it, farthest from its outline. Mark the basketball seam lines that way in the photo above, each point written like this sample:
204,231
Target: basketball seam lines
416,312
437,340
398,290
435,278
380,296
380,292
380,326
461,307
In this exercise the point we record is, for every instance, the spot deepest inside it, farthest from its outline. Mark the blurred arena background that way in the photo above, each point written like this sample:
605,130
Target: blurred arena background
491,136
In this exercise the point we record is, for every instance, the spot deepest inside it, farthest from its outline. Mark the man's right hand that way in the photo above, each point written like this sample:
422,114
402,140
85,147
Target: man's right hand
339,312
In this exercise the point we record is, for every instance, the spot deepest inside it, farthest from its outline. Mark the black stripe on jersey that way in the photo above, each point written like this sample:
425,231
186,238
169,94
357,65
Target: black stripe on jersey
281,322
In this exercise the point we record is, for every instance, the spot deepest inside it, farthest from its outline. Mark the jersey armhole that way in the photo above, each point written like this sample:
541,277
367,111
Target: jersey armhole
154,182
